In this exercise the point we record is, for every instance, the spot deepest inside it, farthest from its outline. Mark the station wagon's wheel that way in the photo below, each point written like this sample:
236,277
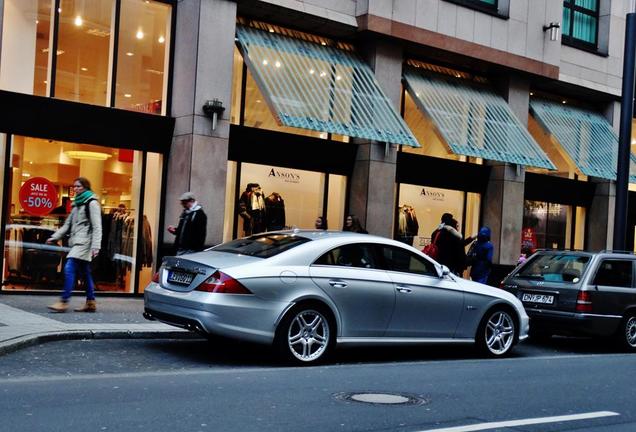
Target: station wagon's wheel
627,333
496,334
305,335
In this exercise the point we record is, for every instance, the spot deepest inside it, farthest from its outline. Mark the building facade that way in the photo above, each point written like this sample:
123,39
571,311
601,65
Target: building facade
501,112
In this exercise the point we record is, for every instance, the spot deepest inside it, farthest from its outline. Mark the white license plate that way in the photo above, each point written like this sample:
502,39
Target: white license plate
538,298
180,277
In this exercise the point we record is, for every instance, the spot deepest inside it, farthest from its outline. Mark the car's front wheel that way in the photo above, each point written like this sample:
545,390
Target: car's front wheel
305,335
496,333
627,333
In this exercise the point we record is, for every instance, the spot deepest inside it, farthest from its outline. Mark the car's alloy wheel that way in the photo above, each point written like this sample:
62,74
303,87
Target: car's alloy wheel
629,333
497,333
305,336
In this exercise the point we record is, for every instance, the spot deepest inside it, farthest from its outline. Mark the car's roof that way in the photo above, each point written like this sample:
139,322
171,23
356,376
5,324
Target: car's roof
321,234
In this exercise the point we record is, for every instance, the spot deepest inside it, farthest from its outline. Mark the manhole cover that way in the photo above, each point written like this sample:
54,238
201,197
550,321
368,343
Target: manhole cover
376,398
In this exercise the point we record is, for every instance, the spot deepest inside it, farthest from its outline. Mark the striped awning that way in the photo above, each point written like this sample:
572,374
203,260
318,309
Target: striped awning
320,87
473,120
586,136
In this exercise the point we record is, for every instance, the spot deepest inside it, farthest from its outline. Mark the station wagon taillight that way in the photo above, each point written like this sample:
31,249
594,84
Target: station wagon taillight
584,302
155,277
219,282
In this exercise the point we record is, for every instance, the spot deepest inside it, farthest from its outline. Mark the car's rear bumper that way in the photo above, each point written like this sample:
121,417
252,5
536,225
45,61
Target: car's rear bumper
244,317
557,322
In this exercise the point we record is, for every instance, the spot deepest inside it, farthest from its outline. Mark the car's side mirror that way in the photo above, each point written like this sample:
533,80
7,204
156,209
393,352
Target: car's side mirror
445,271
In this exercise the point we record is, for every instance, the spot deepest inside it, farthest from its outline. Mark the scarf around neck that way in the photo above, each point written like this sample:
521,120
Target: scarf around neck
83,198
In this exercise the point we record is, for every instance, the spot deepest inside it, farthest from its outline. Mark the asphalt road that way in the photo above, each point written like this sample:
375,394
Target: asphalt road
129,385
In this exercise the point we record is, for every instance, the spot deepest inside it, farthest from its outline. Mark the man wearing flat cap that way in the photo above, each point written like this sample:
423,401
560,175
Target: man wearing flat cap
191,231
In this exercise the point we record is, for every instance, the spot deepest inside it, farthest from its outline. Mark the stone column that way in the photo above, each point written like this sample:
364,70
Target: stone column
204,49
372,189
502,204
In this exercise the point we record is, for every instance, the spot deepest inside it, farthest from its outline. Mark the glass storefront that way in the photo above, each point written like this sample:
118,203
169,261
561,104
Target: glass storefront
90,65
421,207
273,198
551,226
40,174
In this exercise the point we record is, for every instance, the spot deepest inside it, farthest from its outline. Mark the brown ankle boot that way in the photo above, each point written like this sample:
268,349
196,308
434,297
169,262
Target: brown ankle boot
89,306
59,306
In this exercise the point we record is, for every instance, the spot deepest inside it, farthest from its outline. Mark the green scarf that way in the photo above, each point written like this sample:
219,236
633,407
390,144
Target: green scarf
83,198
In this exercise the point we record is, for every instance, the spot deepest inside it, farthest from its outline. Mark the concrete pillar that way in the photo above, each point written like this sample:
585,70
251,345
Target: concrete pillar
204,44
372,188
600,216
502,205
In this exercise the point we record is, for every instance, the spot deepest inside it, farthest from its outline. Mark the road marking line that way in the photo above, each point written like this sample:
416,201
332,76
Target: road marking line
525,422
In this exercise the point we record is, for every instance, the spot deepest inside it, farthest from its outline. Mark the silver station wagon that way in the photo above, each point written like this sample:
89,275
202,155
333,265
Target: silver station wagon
306,291
578,293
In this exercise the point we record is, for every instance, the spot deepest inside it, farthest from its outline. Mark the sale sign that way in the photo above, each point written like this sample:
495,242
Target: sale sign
38,196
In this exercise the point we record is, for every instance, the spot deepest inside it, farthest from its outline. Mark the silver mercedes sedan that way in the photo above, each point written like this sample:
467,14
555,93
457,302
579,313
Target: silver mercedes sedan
305,292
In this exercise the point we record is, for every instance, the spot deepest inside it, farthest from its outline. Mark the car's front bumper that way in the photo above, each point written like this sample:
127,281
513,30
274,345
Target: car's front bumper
238,316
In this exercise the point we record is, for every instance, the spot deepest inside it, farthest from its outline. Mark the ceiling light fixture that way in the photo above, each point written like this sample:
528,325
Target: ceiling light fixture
162,39
128,95
140,34
129,54
87,155
84,69
78,21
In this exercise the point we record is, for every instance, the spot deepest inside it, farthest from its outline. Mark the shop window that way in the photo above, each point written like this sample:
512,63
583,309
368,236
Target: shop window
142,57
38,165
274,198
26,45
83,51
551,226
580,23
421,208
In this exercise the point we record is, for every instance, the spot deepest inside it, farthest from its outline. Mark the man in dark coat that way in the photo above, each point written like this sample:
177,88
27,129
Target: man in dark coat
191,231
450,244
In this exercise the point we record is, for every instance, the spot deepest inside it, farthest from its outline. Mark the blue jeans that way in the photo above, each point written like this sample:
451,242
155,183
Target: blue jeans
72,269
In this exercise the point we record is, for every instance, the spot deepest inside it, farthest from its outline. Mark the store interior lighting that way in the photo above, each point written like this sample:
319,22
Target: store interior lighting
87,155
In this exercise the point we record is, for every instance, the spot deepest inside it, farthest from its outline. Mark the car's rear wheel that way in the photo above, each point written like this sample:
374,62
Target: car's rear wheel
627,333
496,334
305,335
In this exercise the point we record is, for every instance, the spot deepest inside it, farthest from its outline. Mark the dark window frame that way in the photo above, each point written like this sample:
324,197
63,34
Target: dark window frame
481,6
570,40
385,265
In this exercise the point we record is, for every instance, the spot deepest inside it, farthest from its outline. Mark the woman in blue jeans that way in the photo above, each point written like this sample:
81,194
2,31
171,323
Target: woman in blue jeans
84,225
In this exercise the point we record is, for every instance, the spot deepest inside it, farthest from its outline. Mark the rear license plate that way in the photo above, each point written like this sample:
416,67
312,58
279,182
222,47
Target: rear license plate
537,298
180,277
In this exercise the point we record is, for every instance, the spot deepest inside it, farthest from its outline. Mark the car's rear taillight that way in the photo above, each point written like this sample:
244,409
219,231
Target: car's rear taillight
219,282
155,277
584,302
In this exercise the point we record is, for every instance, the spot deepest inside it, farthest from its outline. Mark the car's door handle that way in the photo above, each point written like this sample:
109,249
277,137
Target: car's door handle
337,283
403,289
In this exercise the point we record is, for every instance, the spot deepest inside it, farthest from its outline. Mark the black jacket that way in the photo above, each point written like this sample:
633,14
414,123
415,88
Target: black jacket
191,231
450,247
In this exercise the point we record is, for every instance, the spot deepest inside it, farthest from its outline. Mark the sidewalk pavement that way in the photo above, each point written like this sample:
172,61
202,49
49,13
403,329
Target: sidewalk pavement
25,321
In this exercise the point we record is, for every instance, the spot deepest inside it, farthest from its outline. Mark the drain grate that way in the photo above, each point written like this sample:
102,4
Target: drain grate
376,398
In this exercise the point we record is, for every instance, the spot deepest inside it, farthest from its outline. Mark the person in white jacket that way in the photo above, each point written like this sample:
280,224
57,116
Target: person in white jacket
84,225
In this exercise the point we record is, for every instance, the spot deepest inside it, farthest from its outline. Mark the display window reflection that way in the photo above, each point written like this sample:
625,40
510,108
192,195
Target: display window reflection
116,178
549,225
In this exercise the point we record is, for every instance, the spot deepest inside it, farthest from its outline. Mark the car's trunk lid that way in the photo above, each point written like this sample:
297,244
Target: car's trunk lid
536,293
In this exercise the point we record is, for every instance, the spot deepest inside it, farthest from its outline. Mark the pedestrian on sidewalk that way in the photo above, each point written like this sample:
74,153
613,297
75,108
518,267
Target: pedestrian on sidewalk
480,256
353,224
192,228
84,226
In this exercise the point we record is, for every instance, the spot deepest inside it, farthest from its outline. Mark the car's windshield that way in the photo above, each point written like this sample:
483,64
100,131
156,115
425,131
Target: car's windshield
555,267
262,246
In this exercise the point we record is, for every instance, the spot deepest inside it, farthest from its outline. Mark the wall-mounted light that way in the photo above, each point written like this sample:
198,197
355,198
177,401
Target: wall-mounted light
213,108
554,28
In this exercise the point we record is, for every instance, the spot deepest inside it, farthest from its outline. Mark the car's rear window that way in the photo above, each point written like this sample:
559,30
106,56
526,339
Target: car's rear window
565,267
262,246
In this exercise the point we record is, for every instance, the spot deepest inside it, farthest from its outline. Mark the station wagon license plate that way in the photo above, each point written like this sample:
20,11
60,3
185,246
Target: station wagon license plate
537,298
180,277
